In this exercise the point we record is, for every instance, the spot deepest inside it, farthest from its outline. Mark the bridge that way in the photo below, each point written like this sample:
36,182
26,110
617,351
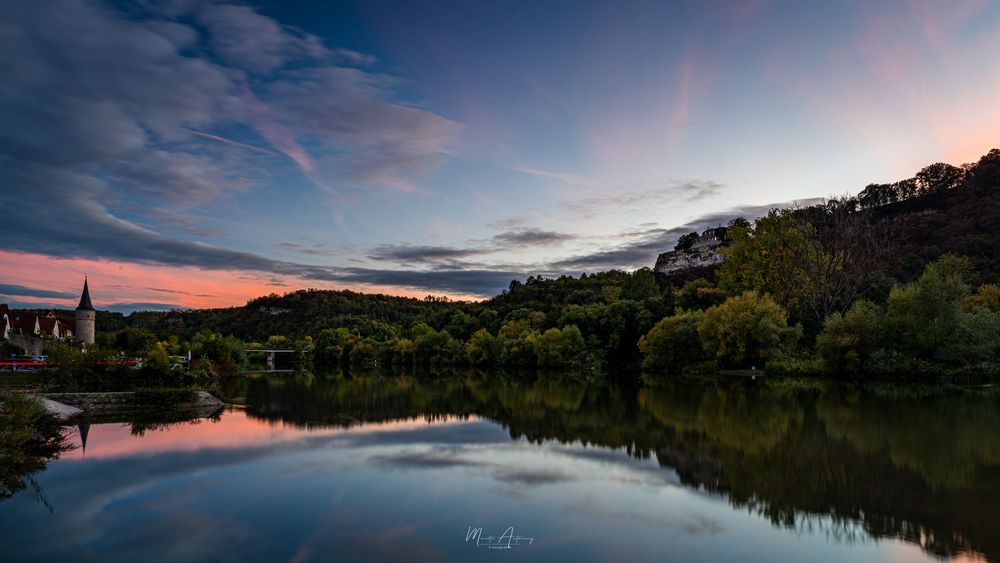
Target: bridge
270,354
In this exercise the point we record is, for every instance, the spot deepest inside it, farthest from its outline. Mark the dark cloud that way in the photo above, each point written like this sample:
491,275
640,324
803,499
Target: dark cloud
96,152
22,291
98,158
414,254
245,39
448,458
532,477
532,237
641,248
452,255
421,460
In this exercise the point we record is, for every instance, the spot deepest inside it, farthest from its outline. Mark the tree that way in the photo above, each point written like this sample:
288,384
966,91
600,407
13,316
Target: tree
849,340
135,342
699,295
768,257
326,350
483,348
747,330
686,241
673,343
560,347
925,314
986,297
214,354
362,355
930,321
640,285
813,261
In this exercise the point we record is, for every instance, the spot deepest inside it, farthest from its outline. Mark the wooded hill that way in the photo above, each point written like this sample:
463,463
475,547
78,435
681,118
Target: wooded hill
885,235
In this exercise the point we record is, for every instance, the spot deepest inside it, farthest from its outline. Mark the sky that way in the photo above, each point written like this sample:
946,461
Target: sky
199,154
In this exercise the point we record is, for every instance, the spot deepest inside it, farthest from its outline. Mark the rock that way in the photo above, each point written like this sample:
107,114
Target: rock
60,411
680,260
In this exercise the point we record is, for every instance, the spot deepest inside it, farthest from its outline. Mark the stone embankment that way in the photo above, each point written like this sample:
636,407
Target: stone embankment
70,405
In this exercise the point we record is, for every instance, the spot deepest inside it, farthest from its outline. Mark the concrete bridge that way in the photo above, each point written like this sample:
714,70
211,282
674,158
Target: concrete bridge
271,353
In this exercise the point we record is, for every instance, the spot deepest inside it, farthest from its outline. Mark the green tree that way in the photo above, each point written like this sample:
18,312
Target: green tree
362,355
483,348
986,297
769,256
135,342
560,347
686,241
640,285
849,340
747,330
925,315
673,343
215,354
699,295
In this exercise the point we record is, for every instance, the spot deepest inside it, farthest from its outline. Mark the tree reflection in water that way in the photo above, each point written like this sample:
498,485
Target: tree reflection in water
856,464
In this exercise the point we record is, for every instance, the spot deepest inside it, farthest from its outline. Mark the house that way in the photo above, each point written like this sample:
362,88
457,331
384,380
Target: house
55,327
26,329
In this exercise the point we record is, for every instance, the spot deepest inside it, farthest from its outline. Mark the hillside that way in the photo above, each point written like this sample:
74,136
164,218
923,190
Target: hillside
941,209
885,235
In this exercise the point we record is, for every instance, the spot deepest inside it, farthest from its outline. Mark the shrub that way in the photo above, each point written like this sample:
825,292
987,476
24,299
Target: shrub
747,330
673,343
848,341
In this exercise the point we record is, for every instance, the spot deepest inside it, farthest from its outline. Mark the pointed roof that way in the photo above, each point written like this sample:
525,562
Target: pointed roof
85,304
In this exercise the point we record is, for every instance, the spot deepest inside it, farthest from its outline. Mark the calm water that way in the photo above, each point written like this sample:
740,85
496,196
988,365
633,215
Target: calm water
399,470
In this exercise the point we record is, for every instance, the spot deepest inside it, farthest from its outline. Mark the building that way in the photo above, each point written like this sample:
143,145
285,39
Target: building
5,324
86,316
27,329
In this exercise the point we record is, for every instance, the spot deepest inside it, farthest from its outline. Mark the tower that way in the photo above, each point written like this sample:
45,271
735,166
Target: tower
85,316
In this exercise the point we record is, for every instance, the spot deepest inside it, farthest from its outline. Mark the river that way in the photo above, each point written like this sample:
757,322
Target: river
303,468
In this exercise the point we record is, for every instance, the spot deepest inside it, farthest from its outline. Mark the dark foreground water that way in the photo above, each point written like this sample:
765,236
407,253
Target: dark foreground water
403,470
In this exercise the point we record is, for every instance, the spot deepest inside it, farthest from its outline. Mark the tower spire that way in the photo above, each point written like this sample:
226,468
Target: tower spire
85,304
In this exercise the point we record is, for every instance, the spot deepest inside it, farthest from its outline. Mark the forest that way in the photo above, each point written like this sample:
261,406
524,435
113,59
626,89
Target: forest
899,281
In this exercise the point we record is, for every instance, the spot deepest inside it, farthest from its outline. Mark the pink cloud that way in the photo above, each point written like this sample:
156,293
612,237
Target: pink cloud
276,133
114,282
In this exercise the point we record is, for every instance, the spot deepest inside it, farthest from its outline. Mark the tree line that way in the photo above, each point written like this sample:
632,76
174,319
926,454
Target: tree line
899,280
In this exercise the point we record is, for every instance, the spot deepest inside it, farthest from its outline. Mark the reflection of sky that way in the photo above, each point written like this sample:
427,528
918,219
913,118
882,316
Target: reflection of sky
243,489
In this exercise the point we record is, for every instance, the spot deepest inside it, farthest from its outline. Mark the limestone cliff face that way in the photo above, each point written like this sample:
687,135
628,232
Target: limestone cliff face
680,260
702,252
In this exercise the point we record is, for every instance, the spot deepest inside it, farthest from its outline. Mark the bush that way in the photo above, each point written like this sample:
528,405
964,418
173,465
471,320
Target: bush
925,315
747,330
29,438
560,347
483,348
848,341
673,343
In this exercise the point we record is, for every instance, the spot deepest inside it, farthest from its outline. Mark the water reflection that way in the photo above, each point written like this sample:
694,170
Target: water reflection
396,469
919,465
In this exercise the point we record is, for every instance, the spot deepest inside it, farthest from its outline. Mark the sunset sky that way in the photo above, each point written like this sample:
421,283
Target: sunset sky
198,154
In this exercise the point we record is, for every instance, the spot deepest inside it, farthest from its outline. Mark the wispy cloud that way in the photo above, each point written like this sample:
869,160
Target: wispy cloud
564,177
22,291
680,192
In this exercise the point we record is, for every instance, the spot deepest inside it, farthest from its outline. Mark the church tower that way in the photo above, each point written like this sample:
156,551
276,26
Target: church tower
85,316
